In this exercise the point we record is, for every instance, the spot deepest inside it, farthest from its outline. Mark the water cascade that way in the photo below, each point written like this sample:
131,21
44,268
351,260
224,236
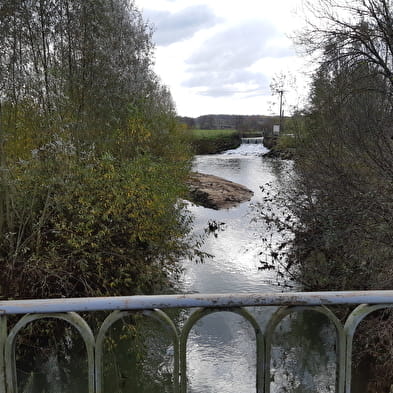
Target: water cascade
249,147
253,141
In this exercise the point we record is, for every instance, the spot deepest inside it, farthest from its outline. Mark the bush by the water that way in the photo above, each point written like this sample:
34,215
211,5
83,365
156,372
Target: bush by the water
93,225
92,160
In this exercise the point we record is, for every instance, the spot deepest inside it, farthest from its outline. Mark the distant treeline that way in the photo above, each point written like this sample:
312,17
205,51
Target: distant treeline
235,122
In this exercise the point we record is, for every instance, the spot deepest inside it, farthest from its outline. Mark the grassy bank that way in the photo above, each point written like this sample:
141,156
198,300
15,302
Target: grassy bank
283,147
214,141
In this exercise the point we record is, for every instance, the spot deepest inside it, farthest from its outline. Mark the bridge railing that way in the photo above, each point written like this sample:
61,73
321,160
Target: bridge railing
154,307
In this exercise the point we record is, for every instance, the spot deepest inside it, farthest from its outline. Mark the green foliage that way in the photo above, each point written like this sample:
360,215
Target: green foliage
91,225
92,162
286,141
343,155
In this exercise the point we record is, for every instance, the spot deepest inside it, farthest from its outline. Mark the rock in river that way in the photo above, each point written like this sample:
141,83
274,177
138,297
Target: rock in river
215,192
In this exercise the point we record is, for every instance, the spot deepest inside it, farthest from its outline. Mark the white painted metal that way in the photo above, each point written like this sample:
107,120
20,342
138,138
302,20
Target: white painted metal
194,300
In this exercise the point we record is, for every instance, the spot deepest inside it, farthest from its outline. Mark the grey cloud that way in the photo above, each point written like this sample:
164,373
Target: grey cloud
240,46
227,78
174,27
227,91
221,62
220,84
217,92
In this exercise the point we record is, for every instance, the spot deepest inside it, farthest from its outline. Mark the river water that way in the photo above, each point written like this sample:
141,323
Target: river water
221,352
221,347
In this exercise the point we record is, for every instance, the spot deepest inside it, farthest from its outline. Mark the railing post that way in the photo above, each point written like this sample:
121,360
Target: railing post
3,338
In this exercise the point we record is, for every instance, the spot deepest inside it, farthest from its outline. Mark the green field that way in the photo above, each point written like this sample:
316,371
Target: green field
212,134
214,141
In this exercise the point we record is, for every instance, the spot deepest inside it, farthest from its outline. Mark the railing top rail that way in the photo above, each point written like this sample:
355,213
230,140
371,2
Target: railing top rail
194,300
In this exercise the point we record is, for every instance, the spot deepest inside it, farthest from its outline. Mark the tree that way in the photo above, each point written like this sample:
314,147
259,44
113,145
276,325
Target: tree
346,155
85,65
351,33
343,233
92,163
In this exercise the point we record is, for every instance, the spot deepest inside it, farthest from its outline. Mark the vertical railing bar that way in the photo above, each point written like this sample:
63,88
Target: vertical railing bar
10,361
191,321
3,338
167,322
274,320
348,363
351,323
88,337
341,362
98,354
260,347
341,346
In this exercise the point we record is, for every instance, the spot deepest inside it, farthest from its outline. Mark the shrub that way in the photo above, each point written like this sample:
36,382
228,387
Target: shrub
84,225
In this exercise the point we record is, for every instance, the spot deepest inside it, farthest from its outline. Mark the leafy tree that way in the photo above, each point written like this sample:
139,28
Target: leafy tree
92,160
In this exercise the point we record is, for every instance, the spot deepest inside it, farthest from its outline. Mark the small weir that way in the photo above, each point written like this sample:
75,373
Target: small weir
254,141
250,147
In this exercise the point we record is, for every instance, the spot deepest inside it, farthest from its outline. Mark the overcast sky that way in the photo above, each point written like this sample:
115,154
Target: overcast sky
219,56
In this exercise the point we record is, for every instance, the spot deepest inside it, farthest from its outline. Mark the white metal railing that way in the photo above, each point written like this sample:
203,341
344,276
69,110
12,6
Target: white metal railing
154,306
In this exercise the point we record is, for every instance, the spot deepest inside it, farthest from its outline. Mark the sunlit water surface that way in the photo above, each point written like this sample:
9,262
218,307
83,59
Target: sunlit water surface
221,355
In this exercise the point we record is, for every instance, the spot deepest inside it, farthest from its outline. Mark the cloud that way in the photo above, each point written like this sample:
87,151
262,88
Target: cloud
230,77
239,46
219,67
178,26
228,91
221,84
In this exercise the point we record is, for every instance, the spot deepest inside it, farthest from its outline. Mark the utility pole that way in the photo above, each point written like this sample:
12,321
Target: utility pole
281,92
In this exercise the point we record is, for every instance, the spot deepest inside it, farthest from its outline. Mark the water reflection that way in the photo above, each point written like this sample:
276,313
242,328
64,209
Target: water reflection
237,250
222,348
303,354
215,366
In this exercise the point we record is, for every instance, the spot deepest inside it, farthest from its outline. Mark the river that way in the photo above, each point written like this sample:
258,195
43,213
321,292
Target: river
221,347
221,355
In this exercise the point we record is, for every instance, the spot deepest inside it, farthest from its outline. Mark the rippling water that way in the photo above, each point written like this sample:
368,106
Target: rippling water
237,247
222,346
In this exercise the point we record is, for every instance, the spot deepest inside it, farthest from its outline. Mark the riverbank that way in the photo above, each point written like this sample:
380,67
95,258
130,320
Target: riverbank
279,147
214,141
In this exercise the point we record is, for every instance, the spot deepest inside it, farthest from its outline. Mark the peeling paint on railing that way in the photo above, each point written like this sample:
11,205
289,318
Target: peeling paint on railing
153,306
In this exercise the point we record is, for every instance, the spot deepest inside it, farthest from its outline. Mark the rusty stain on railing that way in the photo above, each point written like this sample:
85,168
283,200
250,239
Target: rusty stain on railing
205,304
